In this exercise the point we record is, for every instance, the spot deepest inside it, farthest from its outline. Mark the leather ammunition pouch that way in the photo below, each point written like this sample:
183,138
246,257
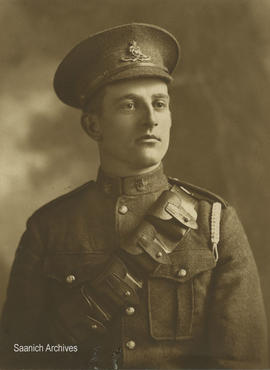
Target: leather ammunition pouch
160,232
115,288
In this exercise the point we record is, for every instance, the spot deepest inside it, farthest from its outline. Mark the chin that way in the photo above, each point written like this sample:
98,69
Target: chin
147,161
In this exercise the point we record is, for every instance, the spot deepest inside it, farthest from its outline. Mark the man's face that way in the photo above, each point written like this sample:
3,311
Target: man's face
135,124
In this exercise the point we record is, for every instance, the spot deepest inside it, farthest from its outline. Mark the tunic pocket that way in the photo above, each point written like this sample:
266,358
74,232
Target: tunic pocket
171,294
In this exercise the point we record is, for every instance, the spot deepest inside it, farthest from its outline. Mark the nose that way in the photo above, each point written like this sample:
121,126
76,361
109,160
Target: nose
149,117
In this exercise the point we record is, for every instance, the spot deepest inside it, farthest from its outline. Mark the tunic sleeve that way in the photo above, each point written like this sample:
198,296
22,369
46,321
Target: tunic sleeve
22,319
237,321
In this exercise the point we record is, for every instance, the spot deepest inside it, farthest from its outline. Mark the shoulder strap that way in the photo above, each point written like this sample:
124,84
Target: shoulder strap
198,192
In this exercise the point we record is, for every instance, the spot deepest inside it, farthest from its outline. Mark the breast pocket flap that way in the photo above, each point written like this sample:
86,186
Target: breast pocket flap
186,264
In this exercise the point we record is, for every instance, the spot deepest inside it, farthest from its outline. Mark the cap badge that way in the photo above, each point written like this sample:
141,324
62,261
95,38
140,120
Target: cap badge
134,54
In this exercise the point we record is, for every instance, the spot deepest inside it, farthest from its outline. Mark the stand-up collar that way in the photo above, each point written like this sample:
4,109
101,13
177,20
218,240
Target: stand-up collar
133,185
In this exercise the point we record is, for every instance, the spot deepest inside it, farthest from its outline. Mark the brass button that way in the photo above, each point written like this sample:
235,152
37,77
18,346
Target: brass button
182,273
130,311
94,326
127,293
141,184
131,344
159,254
123,209
70,279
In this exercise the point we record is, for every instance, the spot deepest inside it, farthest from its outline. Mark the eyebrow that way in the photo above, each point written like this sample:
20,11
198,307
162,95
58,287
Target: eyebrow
135,96
166,96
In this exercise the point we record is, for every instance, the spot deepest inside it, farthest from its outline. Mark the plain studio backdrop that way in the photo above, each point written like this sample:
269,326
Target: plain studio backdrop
220,105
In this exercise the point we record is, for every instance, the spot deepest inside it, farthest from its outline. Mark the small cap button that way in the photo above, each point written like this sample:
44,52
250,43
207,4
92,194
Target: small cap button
94,326
182,273
186,219
123,209
70,279
127,293
159,254
130,311
130,344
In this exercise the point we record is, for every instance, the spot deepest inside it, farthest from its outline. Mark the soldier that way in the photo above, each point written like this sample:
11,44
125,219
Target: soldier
134,270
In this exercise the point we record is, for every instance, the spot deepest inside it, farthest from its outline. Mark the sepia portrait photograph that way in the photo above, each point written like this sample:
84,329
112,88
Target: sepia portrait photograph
134,188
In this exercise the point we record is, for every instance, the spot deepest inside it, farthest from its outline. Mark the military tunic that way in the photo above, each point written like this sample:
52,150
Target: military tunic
198,311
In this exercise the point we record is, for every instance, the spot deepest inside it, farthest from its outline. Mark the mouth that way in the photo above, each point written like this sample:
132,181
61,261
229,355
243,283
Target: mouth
148,139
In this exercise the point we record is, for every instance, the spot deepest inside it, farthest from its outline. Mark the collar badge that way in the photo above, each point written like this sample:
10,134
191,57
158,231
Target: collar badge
134,54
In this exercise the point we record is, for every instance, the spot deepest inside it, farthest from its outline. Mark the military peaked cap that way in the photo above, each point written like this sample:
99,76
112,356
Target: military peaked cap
123,52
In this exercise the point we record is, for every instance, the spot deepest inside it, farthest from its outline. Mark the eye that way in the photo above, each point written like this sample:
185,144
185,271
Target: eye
128,106
160,104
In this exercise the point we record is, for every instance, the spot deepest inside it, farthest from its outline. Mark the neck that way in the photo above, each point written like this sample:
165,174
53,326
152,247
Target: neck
123,171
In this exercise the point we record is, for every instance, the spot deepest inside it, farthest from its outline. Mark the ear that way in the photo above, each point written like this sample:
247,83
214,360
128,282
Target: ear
90,124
